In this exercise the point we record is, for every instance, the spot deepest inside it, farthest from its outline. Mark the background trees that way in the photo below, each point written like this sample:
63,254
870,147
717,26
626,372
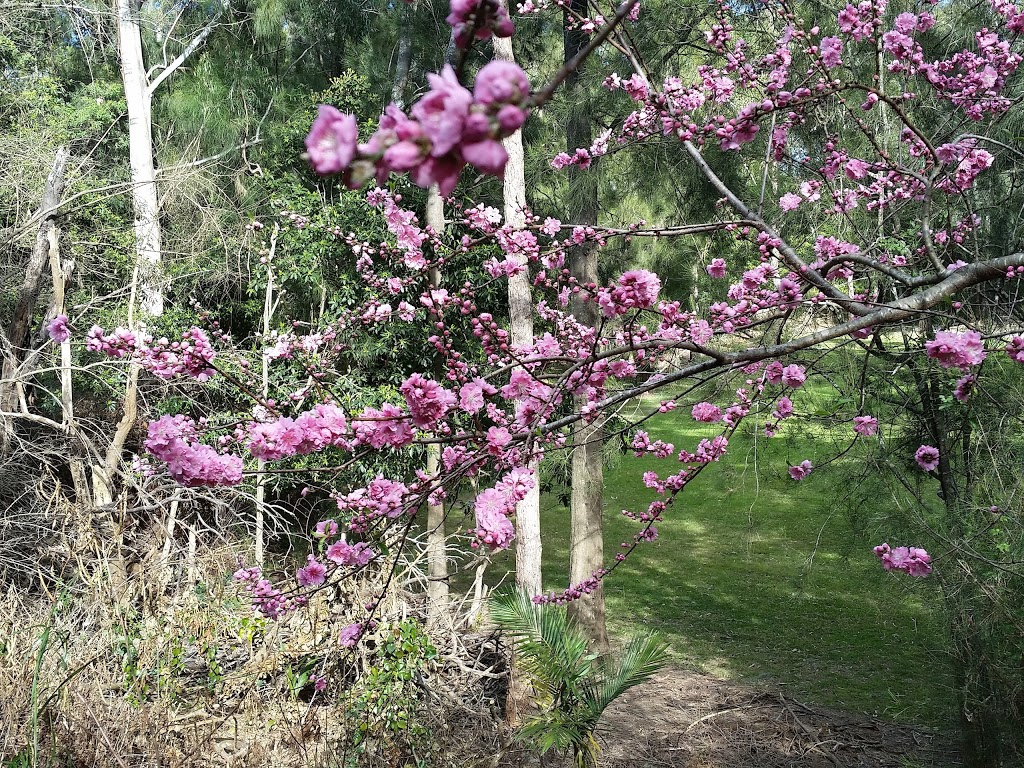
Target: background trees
817,194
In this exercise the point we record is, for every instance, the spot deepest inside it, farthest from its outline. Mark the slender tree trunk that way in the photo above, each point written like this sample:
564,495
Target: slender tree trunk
979,704
138,97
403,61
437,555
586,538
261,478
28,294
520,306
60,271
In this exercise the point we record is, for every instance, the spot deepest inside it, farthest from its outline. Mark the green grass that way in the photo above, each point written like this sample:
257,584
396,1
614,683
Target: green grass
760,579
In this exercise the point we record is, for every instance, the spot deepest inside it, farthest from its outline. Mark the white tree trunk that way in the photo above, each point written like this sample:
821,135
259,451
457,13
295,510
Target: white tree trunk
586,545
138,97
437,556
520,307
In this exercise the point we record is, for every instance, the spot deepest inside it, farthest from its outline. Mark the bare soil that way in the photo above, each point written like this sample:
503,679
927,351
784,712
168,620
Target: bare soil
683,719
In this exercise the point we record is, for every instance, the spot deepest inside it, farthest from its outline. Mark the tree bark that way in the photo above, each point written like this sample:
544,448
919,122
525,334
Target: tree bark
403,62
586,538
18,331
437,556
520,307
145,202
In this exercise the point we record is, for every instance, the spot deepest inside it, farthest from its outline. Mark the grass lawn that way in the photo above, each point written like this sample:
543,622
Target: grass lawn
759,578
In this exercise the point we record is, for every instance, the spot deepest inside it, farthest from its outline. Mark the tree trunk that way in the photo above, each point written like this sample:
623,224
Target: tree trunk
978,703
520,307
403,61
437,556
60,273
138,97
586,539
28,293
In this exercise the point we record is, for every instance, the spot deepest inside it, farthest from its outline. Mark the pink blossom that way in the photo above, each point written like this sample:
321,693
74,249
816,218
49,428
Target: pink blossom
717,268
501,82
793,376
493,527
956,350
801,470
706,412
471,395
350,635
865,425
913,561
191,464
783,409
331,142
325,529
831,49
313,574
964,387
927,458
388,426
428,401
1015,349
442,112
58,329
638,288
350,555
479,19
790,201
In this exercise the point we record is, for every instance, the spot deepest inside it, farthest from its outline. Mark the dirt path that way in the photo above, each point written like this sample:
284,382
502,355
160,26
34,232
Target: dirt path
683,719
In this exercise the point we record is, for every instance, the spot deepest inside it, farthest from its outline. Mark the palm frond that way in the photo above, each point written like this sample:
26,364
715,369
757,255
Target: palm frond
572,688
642,658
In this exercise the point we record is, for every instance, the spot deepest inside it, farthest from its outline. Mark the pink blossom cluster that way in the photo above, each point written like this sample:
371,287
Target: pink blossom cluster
801,470
494,506
403,224
913,561
192,356
448,128
574,592
964,387
350,555
312,574
968,162
428,401
706,412
349,636
956,350
387,426
643,445
976,81
927,457
379,498
790,375
831,51
310,432
865,425
861,20
1008,10
266,599
636,289
478,19
58,330
1015,349
171,439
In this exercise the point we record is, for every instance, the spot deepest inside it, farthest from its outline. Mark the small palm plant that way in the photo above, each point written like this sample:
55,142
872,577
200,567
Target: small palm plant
572,686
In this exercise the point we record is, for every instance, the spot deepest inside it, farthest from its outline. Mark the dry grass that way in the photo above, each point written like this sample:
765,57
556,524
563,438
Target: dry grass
97,677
